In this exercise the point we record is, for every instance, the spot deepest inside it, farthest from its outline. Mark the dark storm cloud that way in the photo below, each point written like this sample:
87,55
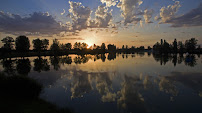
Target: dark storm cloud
36,23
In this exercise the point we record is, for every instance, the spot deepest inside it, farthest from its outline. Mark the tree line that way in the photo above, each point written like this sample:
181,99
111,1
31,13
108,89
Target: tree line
189,46
22,44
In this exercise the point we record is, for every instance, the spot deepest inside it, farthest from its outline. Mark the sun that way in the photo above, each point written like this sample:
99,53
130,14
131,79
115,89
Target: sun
90,42
89,45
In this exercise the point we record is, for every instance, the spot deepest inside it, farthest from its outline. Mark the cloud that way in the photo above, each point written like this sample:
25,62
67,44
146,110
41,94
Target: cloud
109,3
36,23
148,15
80,15
167,13
63,12
190,19
130,10
109,97
72,38
103,18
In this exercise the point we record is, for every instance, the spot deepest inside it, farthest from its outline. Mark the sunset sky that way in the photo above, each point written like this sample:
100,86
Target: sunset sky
120,22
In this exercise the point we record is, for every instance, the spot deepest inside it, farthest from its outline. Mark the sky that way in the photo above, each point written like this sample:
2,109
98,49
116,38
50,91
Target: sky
119,22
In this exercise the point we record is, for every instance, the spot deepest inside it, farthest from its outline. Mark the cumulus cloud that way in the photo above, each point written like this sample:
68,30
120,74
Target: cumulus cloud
63,12
103,17
80,15
148,15
167,13
192,18
36,23
130,10
109,3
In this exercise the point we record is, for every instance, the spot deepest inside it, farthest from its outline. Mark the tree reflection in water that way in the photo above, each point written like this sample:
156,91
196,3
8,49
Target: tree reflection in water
23,66
55,62
131,94
41,65
189,60
8,66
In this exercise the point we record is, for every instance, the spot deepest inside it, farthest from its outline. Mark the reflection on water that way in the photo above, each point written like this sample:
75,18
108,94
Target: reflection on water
126,83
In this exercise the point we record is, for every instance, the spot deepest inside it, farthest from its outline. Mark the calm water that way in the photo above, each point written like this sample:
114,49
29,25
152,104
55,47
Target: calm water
135,83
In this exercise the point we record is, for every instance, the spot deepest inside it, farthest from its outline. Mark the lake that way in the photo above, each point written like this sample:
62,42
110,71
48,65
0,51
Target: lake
116,83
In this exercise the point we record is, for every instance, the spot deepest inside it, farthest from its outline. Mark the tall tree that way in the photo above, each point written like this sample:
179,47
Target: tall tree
190,44
84,46
103,47
22,43
68,46
175,45
8,43
180,46
37,44
55,47
123,47
45,44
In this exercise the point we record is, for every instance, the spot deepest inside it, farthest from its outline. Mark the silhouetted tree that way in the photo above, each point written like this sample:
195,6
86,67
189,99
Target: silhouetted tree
103,47
55,47
166,47
8,43
22,43
77,46
190,44
126,47
111,48
175,46
68,46
83,46
37,44
45,44
141,48
40,45
123,47
157,46
181,47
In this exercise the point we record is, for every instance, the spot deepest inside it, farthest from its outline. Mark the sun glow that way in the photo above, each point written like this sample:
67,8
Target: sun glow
90,45
90,42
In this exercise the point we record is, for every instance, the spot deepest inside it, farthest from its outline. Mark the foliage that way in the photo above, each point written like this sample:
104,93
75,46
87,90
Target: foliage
22,43
40,45
55,46
8,43
165,47
190,44
41,65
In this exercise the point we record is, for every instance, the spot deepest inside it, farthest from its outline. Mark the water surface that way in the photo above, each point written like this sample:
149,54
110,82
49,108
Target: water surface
113,83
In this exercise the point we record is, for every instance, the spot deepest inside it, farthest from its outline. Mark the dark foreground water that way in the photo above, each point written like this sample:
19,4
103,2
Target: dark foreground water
135,83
